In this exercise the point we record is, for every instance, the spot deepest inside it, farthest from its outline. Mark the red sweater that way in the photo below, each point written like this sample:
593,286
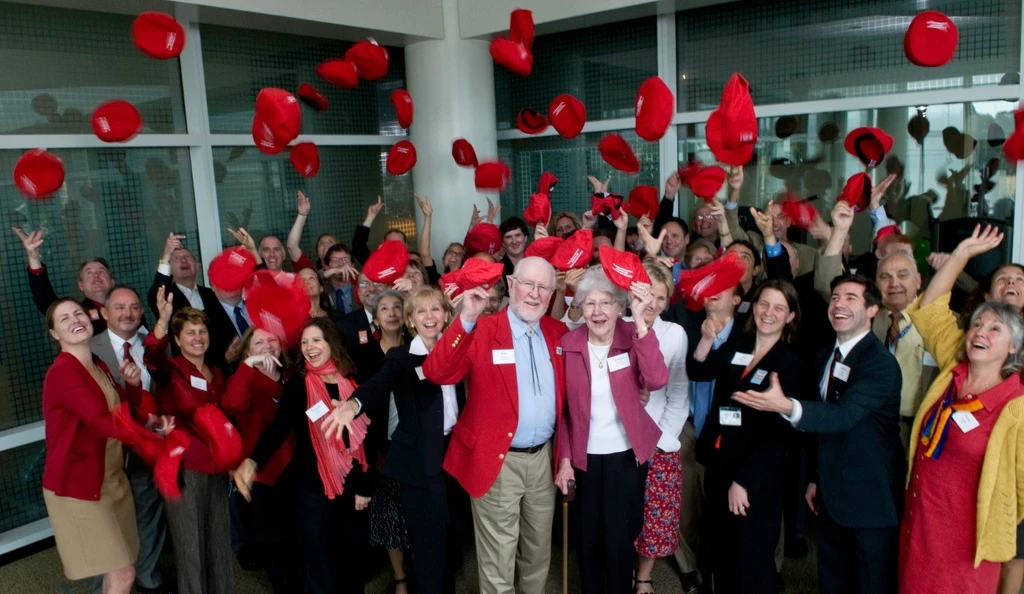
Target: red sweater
251,400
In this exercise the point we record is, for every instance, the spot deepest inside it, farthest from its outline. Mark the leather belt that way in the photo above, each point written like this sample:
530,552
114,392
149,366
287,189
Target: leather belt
529,450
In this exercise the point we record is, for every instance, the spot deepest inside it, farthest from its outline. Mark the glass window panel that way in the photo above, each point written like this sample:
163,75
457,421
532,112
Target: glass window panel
603,70
237,63
824,49
21,493
59,64
116,203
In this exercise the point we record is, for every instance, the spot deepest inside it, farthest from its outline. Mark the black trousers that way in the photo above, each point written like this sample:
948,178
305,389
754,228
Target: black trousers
434,517
267,529
743,547
856,560
610,494
332,540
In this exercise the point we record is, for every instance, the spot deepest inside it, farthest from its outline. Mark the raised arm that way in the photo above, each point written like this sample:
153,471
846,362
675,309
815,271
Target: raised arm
667,204
295,234
449,362
978,243
38,279
424,238
621,224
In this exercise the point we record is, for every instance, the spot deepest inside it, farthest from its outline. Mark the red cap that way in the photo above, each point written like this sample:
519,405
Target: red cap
340,73
309,95
705,182
476,273
655,106
280,111
370,59
801,212
567,115
643,200
278,304
401,158
622,268
545,247
402,101
698,284
168,465
713,132
263,136
732,128
463,153
388,263
609,204
217,432
483,237
158,35
513,56
857,191
931,39
1013,148
38,173
231,269
886,232
547,182
305,157
142,441
531,121
575,251
521,28
538,211
116,121
492,175
616,152
870,145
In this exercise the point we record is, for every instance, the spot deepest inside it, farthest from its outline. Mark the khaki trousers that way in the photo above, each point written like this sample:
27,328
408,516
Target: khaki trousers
513,525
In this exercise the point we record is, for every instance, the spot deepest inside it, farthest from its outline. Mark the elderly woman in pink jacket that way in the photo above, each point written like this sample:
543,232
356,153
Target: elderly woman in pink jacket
605,436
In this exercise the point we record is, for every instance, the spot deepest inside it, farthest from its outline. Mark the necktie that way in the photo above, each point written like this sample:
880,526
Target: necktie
836,358
240,320
533,362
128,353
893,336
339,300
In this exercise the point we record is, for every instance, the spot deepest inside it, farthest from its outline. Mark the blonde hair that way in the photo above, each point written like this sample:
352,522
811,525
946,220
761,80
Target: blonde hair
659,274
421,294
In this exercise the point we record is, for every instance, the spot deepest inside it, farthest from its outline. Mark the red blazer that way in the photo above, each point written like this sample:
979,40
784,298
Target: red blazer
251,401
485,428
78,424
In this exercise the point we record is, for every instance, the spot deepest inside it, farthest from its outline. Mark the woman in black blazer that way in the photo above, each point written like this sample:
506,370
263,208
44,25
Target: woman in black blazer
744,450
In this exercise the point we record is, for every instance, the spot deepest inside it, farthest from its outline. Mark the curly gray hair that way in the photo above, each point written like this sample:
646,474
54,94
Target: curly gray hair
594,279
1011,318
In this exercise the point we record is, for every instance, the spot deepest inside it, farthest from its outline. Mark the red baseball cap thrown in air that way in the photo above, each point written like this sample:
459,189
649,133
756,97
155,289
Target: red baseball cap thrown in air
616,152
340,73
231,269
698,284
474,273
732,128
483,237
857,191
305,157
388,263
37,173
309,95
464,153
280,111
567,115
514,57
868,144
402,101
643,200
575,251
492,176
158,35
401,158
931,39
531,121
655,106
263,136
369,58
278,304
538,211
116,121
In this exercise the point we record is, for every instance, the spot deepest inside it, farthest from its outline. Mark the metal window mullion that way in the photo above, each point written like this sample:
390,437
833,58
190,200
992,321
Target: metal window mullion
89,141
596,126
320,140
22,435
668,146
1017,252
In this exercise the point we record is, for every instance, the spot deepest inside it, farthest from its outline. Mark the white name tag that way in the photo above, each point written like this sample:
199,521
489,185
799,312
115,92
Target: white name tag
743,359
419,373
317,411
965,420
759,376
618,362
744,307
842,372
928,360
730,416
198,383
503,356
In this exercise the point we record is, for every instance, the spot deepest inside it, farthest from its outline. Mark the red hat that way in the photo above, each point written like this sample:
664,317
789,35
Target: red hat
116,121
607,204
546,183
483,237
463,153
622,268
263,136
305,157
886,232
705,182
521,28
168,464
145,443
492,175
217,432
278,304
698,284
340,73
732,128
279,110
643,200
231,269
401,158
158,35
857,191
513,56
388,263
575,251
567,115
545,247
1013,148
476,273
370,59
655,106
801,212
870,145
931,39
309,95
616,152
538,211
38,173
531,121
402,101
713,132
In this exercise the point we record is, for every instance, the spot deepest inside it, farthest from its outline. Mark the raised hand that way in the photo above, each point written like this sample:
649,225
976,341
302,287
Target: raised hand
842,216
264,362
31,242
402,285
640,298
424,204
474,302
372,211
164,305
589,219
980,241
173,243
652,245
131,373
645,222
475,219
573,277
540,231
362,502
672,186
347,272
710,328
622,223
735,181
878,192
765,222
937,259
600,187
302,203
493,211
244,239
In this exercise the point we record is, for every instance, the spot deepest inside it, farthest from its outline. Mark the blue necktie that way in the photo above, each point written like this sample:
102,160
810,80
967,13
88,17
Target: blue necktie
240,320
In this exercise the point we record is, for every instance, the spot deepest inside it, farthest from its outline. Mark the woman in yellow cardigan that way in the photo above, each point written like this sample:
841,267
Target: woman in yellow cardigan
965,490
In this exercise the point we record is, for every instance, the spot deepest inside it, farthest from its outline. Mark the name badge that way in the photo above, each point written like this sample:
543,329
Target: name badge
928,360
558,350
503,356
842,372
317,411
198,383
744,307
743,359
419,373
94,315
759,376
730,416
965,420
618,362
363,337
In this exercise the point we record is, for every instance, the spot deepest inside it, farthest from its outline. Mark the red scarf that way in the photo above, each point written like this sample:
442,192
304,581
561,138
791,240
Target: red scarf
333,460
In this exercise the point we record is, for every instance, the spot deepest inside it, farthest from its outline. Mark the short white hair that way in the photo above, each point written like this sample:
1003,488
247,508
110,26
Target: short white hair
594,279
531,261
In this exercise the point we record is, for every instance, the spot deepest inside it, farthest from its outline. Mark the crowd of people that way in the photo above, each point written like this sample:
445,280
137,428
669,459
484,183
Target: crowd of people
701,390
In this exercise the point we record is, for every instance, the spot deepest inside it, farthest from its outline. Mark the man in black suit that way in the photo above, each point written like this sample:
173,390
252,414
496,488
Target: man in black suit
359,333
858,492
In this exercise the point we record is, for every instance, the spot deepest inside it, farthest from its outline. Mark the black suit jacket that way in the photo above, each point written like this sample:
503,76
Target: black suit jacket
860,460
417,445
222,330
43,296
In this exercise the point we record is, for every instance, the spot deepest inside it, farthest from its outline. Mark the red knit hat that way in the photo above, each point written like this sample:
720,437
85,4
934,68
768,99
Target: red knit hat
575,251
231,269
305,157
37,173
158,35
622,268
401,158
483,237
370,59
280,111
655,106
463,153
616,152
116,121
567,115
492,175
340,73
388,263
643,200
697,284
931,39
538,211
402,101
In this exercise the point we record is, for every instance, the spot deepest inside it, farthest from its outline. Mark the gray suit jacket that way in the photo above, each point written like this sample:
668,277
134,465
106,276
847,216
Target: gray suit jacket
104,349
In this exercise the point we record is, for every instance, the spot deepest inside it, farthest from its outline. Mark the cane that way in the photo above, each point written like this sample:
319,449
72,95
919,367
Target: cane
569,496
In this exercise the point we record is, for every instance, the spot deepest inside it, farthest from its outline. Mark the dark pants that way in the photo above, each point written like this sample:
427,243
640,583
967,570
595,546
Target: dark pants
434,519
265,527
611,499
202,537
794,505
856,560
743,557
332,539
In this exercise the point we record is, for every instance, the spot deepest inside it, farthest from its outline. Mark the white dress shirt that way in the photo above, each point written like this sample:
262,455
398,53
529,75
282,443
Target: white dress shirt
670,406
230,310
451,403
844,351
138,352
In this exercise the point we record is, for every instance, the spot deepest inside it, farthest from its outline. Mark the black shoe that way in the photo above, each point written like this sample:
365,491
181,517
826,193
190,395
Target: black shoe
778,581
250,559
796,548
690,582
164,588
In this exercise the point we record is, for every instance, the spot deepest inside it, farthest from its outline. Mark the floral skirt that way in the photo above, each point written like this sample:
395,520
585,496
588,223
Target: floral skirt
660,534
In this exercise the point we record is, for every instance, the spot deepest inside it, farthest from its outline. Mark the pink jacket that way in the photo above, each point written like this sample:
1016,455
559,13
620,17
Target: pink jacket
646,369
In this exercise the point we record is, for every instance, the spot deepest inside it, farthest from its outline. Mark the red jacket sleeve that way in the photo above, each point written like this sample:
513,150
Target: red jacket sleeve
237,397
302,262
449,362
77,392
155,357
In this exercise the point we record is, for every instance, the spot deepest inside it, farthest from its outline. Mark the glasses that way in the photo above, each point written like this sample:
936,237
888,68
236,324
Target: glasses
368,284
532,286
339,261
702,218
605,306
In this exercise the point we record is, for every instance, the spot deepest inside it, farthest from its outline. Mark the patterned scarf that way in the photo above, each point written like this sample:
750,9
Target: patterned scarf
936,425
333,459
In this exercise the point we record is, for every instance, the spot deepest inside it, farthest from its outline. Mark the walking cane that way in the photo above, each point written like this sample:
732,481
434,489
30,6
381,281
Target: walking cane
569,496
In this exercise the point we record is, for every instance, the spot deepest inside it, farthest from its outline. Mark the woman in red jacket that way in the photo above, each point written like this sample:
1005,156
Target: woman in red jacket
87,494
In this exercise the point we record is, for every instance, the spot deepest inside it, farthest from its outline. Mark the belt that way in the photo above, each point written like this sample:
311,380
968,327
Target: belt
529,450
